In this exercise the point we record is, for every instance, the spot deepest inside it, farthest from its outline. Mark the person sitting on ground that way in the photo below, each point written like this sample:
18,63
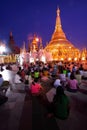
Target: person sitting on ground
81,69
30,79
22,74
3,83
36,88
36,75
72,84
45,72
62,77
17,78
44,77
57,83
84,76
78,76
1,80
8,67
68,73
1,69
60,106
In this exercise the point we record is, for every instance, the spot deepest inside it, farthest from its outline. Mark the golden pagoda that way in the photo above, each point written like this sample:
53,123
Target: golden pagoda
36,44
59,46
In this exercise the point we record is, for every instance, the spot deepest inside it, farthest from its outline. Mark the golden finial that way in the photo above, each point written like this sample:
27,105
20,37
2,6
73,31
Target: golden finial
58,11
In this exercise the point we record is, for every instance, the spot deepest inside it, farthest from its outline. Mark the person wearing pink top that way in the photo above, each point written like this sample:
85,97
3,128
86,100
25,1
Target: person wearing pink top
36,88
72,85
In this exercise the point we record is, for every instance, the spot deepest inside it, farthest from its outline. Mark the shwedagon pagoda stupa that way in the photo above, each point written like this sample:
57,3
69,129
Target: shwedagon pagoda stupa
60,47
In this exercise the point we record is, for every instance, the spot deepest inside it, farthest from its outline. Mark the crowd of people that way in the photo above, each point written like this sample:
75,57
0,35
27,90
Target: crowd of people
61,76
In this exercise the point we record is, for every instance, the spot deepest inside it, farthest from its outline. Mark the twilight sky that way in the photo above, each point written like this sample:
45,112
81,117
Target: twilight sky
27,17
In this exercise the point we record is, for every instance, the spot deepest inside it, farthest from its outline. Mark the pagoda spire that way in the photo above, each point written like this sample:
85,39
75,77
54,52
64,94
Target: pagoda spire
58,20
11,39
12,45
58,32
11,35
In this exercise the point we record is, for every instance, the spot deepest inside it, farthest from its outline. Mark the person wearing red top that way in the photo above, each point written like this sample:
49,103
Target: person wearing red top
36,88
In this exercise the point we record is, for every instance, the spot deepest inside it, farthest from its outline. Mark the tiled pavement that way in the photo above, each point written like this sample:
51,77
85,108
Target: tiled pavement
16,114
78,113
10,112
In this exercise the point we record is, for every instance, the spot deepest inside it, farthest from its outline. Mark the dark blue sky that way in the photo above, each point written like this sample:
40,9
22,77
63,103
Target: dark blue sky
26,17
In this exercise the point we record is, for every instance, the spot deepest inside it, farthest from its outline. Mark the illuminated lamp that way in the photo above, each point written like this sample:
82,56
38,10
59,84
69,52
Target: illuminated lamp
37,39
55,59
62,59
83,58
2,49
69,59
37,59
31,60
69,46
75,59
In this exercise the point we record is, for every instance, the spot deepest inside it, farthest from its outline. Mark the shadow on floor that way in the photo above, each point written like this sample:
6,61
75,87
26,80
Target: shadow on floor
33,116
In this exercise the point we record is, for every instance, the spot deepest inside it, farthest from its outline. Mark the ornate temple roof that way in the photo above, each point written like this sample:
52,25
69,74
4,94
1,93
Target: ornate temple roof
59,42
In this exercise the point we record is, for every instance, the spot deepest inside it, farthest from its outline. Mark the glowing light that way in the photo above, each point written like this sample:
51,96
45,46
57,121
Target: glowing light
37,39
62,59
2,48
31,60
37,59
43,59
75,59
69,59
21,60
83,58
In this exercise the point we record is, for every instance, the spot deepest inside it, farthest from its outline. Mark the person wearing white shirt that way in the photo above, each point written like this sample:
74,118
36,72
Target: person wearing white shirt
17,78
57,83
